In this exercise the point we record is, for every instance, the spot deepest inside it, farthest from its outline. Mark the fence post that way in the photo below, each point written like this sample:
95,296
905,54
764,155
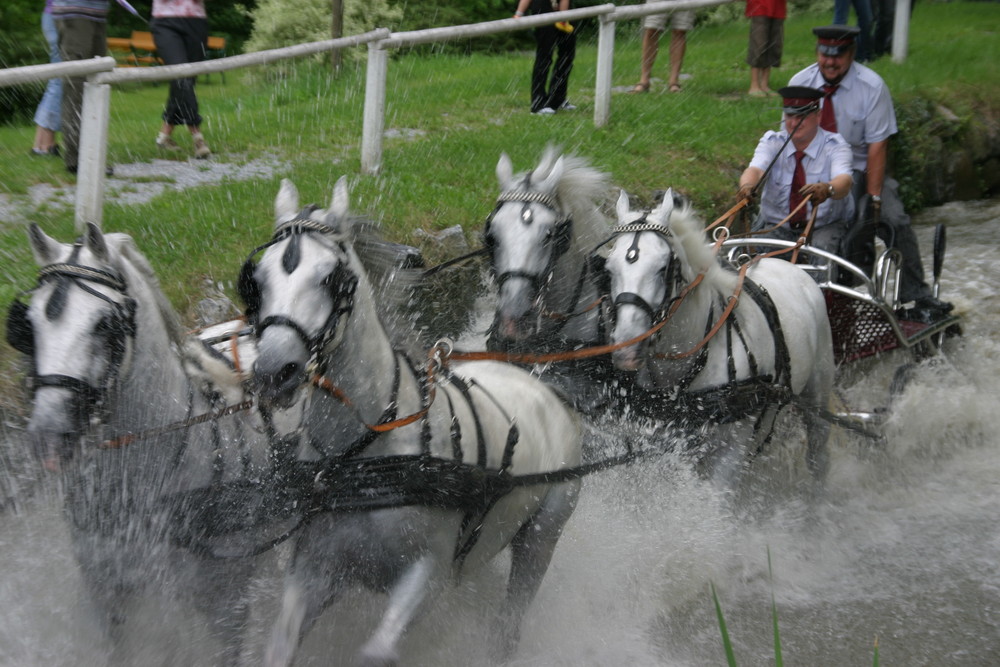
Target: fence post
605,62
901,31
374,120
93,155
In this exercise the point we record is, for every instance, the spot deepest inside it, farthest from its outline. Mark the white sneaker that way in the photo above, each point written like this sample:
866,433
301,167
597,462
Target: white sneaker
544,111
166,142
566,106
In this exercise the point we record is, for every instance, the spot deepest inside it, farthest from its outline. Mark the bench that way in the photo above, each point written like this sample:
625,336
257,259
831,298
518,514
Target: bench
139,50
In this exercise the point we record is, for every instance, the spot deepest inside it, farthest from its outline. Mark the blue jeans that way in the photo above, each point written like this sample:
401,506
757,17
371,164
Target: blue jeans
49,111
863,8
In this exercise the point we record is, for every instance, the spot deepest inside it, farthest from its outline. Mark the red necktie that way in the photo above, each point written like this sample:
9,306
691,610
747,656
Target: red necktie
794,199
827,119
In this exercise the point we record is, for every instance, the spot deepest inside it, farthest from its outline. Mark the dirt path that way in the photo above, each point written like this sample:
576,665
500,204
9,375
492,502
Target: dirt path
138,183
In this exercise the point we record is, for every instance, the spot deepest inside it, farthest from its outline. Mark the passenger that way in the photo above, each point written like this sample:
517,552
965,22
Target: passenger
857,104
814,163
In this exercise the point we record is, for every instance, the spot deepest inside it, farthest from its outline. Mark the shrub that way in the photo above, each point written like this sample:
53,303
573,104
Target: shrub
275,26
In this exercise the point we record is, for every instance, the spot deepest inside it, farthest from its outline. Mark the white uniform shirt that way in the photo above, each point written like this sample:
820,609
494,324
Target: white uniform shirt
862,106
826,157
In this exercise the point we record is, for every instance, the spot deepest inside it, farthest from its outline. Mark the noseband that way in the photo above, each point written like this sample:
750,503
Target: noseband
342,285
559,239
90,399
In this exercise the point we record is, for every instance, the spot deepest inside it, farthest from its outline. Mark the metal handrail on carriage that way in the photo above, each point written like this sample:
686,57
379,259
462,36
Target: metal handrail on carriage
877,292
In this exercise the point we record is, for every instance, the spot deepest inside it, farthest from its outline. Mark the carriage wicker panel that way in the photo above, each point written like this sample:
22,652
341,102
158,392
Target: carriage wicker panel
860,329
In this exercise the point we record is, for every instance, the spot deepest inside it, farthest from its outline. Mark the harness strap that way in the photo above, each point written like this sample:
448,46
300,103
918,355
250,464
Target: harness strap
782,358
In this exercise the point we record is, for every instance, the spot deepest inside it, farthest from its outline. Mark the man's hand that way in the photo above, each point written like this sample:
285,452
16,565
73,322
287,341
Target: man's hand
745,193
819,192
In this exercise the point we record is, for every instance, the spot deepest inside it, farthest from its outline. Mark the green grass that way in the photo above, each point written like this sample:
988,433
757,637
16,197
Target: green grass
456,114
727,644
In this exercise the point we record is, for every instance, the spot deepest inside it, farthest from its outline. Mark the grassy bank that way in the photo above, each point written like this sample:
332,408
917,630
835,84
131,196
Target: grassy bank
451,116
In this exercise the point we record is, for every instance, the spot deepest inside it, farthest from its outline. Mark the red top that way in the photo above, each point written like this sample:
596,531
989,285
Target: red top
775,9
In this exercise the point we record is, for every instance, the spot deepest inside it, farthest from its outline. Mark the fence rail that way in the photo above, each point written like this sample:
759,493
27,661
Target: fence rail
101,74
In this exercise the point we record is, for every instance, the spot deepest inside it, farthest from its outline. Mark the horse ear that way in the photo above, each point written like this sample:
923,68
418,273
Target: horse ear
94,239
551,182
661,214
622,207
286,204
341,201
505,171
43,247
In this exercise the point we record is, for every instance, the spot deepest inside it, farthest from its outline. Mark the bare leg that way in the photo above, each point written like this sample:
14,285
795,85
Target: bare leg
765,79
650,47
45,139
755,81
678,43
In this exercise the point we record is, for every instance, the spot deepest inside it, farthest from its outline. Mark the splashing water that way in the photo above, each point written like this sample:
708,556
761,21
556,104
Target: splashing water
902,546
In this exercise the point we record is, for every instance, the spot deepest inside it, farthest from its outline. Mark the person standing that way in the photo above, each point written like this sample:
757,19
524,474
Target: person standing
814,163
681,21
82,29
549,95
767,40
48,114
863,10
857,104
180,32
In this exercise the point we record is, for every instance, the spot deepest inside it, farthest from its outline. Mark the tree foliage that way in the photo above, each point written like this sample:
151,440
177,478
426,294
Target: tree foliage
279,23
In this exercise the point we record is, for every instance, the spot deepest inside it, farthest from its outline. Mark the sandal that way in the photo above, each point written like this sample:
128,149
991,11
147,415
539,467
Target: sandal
675,87
640,88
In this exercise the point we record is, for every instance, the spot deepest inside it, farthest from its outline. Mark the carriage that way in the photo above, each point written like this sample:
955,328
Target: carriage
866,316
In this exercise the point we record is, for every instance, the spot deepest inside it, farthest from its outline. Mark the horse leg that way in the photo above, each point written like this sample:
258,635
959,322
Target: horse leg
310,586
531,552
411,590
222,597
817,450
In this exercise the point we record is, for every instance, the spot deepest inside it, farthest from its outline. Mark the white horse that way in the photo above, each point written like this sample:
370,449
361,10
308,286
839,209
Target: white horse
774,348
546,224
381,422
115,384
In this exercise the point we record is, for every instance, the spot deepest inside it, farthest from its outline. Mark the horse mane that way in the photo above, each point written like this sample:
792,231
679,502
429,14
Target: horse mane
393,286
582,190
134,265
695,253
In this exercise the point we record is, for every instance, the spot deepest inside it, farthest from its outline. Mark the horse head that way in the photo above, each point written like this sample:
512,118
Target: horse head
534,235
301,293
79,330
641,267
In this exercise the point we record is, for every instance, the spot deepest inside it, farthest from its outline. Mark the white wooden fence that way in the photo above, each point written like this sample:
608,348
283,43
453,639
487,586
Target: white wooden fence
102,73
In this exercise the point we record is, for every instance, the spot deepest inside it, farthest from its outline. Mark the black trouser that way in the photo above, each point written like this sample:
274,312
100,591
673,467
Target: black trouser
181,40
545,93
897,233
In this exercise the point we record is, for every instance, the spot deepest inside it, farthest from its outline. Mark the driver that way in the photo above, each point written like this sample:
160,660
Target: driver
814,163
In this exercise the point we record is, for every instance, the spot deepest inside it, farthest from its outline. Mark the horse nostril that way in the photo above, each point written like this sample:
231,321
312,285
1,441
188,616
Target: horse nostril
287,373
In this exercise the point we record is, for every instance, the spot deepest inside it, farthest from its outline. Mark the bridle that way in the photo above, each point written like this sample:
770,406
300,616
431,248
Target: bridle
342,284
559,239
90,400
671,273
